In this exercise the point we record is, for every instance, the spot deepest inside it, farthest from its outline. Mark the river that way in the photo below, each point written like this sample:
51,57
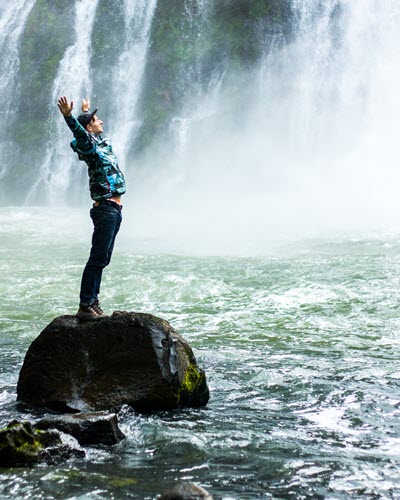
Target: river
300,345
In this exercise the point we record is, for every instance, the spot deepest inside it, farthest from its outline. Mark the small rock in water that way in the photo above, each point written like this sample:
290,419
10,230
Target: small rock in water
186,491
86,428
128,358
21,445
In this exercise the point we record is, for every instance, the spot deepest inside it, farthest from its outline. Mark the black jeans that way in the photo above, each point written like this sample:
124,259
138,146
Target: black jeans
106,220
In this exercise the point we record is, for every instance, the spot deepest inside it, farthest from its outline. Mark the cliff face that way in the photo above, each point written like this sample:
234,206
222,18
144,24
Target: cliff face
177,53
192,43
46,37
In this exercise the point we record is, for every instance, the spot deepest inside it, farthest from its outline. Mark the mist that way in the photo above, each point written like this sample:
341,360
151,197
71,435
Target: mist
307,147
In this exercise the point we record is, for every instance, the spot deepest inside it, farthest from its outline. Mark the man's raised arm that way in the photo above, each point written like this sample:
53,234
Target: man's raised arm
85,105
81,135
65,107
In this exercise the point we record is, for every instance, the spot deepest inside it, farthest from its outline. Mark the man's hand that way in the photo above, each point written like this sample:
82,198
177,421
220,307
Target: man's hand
64,107
85,105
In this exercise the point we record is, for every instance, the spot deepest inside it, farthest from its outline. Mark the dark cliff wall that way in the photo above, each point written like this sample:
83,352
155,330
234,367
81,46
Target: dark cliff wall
48,33
189,45
107,43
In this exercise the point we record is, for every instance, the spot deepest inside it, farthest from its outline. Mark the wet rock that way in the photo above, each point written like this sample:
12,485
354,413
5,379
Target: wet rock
127,358
186,491
86,428
21,445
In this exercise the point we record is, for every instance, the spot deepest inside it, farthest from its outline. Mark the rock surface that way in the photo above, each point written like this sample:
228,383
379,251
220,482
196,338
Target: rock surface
127,358
186,491
21,445
86,428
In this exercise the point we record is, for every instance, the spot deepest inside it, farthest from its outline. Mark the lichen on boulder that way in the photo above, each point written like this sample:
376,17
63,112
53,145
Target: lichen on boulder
128,358
21,445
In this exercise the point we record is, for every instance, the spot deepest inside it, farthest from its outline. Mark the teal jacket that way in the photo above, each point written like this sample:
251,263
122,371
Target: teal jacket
105,177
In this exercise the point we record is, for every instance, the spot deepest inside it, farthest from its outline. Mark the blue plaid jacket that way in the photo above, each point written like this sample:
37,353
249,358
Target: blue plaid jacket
105,178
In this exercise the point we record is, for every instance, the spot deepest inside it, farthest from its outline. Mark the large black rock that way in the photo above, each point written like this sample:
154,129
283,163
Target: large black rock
127,358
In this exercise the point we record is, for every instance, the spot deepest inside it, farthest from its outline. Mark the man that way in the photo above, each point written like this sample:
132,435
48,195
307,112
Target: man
107,184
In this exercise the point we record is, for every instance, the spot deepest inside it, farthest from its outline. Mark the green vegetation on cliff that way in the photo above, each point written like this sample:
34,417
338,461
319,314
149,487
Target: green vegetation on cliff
48,33
191,41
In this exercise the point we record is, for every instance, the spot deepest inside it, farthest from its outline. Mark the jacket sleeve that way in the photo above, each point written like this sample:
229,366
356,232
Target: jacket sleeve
83,141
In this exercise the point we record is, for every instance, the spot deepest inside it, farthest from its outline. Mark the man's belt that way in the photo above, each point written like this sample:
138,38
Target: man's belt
108,202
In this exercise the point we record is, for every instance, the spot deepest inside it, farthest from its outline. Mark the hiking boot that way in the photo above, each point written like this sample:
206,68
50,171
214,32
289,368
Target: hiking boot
97,308
88,313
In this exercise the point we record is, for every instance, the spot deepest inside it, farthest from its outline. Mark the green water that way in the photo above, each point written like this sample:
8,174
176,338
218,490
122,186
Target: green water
300,346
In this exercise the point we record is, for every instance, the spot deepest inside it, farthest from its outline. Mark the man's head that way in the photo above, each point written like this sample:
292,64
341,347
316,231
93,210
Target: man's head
91,122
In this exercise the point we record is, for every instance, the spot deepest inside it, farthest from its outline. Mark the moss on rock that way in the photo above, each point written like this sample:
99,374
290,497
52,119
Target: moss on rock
48,33
127,358
193,380
21,445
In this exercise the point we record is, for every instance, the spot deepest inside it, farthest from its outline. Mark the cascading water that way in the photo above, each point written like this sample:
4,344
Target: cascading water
197,19
57,172
318,127
341,48
13,17
277,133
127,73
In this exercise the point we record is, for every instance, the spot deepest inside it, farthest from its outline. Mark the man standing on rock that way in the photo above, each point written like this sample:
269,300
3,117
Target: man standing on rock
107,184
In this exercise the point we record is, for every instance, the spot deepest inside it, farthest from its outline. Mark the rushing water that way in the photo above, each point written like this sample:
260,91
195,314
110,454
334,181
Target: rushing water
129,69
300,346
299,339
13,16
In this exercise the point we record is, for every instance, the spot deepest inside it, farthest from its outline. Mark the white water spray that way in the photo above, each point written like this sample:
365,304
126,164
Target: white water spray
309,144
316,150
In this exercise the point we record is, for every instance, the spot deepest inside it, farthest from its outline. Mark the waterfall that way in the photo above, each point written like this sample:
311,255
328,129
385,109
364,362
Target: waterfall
304,112
13,17
309,141
195,91
128,71
342,106
59,170
72,80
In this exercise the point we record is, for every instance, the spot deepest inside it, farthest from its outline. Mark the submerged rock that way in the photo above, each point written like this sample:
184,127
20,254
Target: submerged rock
21,445
186,491
86,428
127,358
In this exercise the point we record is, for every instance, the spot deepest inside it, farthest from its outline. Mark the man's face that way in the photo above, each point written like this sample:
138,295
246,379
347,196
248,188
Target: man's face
95,126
